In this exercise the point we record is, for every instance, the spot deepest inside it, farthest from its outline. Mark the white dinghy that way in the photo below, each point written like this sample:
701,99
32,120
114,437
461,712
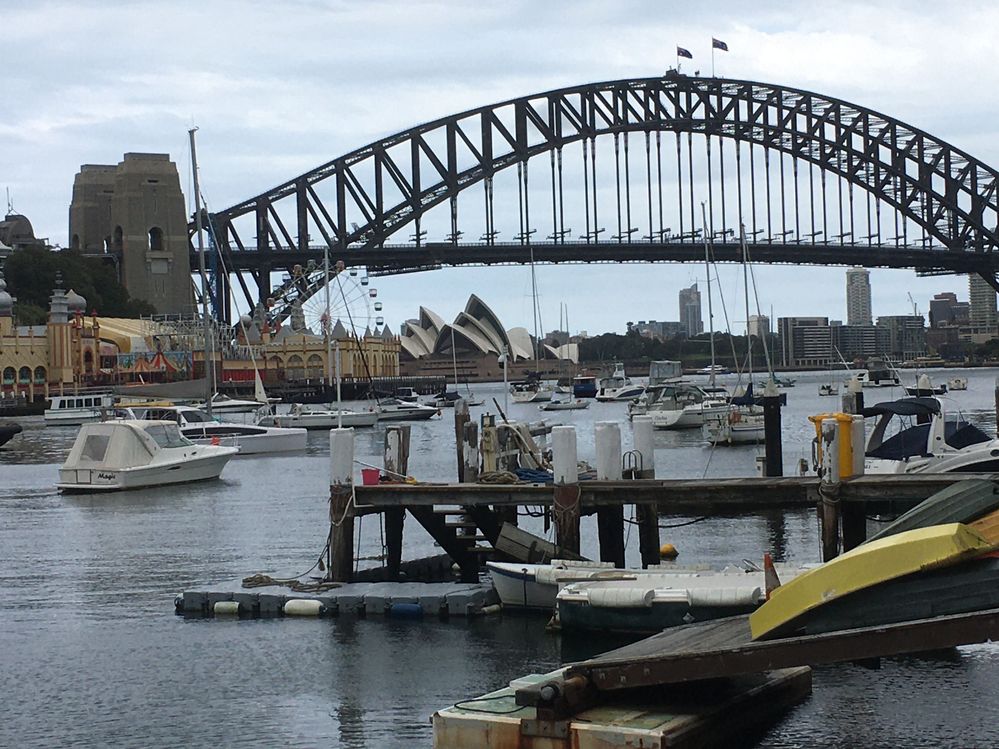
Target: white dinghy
117,455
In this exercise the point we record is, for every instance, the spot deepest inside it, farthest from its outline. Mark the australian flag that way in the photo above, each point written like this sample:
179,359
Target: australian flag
681,52
719,44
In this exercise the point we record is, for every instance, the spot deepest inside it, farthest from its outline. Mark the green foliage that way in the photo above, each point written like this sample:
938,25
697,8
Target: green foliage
31,276
693,352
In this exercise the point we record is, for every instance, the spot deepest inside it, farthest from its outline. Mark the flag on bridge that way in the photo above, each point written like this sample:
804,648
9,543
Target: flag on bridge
718,44
681,52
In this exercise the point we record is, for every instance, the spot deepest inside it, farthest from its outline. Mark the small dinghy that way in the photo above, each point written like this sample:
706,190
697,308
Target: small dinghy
576,405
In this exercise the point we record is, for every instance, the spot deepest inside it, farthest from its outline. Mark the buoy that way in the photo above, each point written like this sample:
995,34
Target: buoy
304,607
668,551
226,608
216,441
770,578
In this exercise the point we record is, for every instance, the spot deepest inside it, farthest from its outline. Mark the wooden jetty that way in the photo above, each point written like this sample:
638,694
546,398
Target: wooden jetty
726,713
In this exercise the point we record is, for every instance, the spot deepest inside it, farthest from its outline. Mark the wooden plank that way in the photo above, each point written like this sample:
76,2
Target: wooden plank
692,653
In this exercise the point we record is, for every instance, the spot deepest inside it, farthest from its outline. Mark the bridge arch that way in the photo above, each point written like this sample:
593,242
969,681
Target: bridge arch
373,193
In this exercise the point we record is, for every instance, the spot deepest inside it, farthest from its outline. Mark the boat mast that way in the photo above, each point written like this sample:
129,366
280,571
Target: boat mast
329,323
707,268
209,349
745,291
339,405
454,363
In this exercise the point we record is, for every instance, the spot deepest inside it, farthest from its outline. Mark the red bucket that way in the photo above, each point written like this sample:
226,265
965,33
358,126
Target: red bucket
369,476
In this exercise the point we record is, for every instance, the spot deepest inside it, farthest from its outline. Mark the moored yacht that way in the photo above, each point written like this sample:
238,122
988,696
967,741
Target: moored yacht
392,409
201,429
530,391
584,386
618,387
682,406
916,435
131,454
313,417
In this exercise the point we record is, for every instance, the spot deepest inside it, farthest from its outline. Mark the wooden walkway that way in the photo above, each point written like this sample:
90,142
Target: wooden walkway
724,648
701,496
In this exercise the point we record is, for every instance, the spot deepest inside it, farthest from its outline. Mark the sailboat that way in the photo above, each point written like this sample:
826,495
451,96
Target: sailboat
743,423
532,389
447,398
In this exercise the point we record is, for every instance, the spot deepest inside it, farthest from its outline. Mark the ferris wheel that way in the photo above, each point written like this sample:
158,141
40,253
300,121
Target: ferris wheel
353,302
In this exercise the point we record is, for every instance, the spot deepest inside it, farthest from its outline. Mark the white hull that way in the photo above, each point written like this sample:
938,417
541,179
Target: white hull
72,417
408,414
749,430
689,417
177,472
570,406
268,441
540,395
627,393
322,420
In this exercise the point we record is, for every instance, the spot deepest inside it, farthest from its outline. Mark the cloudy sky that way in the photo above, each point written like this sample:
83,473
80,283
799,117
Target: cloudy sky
278,88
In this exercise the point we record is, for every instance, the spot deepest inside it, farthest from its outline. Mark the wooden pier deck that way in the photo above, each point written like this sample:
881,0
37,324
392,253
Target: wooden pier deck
724,648
701,496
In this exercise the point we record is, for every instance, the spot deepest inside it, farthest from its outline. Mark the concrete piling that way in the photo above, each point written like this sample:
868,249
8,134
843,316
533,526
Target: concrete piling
396,457
610,520
646,513
566,499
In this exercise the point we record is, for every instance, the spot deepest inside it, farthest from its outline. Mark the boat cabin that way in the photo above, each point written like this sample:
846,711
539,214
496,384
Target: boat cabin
917,427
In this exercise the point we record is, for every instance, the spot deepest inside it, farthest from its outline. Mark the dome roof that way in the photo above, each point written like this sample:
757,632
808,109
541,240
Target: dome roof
75,302
6,300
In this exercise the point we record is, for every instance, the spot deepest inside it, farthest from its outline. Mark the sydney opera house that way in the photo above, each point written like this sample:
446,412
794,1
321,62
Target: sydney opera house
478,339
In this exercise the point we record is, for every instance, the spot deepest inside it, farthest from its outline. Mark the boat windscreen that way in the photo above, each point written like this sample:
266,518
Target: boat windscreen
959,434
95,447
167,435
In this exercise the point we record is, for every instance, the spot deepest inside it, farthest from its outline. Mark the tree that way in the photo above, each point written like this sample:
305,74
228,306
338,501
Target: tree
31,277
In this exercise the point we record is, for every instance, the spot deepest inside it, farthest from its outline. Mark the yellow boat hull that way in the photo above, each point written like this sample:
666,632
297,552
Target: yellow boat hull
864,567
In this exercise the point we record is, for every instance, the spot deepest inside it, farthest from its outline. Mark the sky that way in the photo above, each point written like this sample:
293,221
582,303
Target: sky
278,88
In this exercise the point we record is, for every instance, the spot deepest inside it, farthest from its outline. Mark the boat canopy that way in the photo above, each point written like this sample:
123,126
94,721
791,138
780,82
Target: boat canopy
904,407
114,445
915,440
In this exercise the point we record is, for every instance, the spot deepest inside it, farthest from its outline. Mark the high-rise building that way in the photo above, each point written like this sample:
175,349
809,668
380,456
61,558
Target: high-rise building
805,341
759,326
946,310
690,311
858,297
983,302
906,336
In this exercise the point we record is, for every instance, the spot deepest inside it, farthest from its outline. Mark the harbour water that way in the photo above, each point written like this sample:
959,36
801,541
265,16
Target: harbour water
92,654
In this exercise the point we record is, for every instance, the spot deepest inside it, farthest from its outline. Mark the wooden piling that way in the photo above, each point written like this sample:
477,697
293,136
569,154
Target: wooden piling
470,452
396,456
774,465
341,559
646,513
854,514
460,419
610,520
489,445
566,500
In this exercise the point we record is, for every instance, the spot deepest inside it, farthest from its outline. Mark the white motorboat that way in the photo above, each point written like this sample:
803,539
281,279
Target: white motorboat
530,391
223,404
828,388
713,369
74,410
569,405
957,383
407,395
916,435
878,374
683,406
131,454
309,417
201,429
393,409
618,387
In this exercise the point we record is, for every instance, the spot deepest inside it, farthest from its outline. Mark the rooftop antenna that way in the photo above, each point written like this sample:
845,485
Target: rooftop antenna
10,203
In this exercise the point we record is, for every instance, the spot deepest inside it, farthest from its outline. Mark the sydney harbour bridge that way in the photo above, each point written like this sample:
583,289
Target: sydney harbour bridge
619,172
